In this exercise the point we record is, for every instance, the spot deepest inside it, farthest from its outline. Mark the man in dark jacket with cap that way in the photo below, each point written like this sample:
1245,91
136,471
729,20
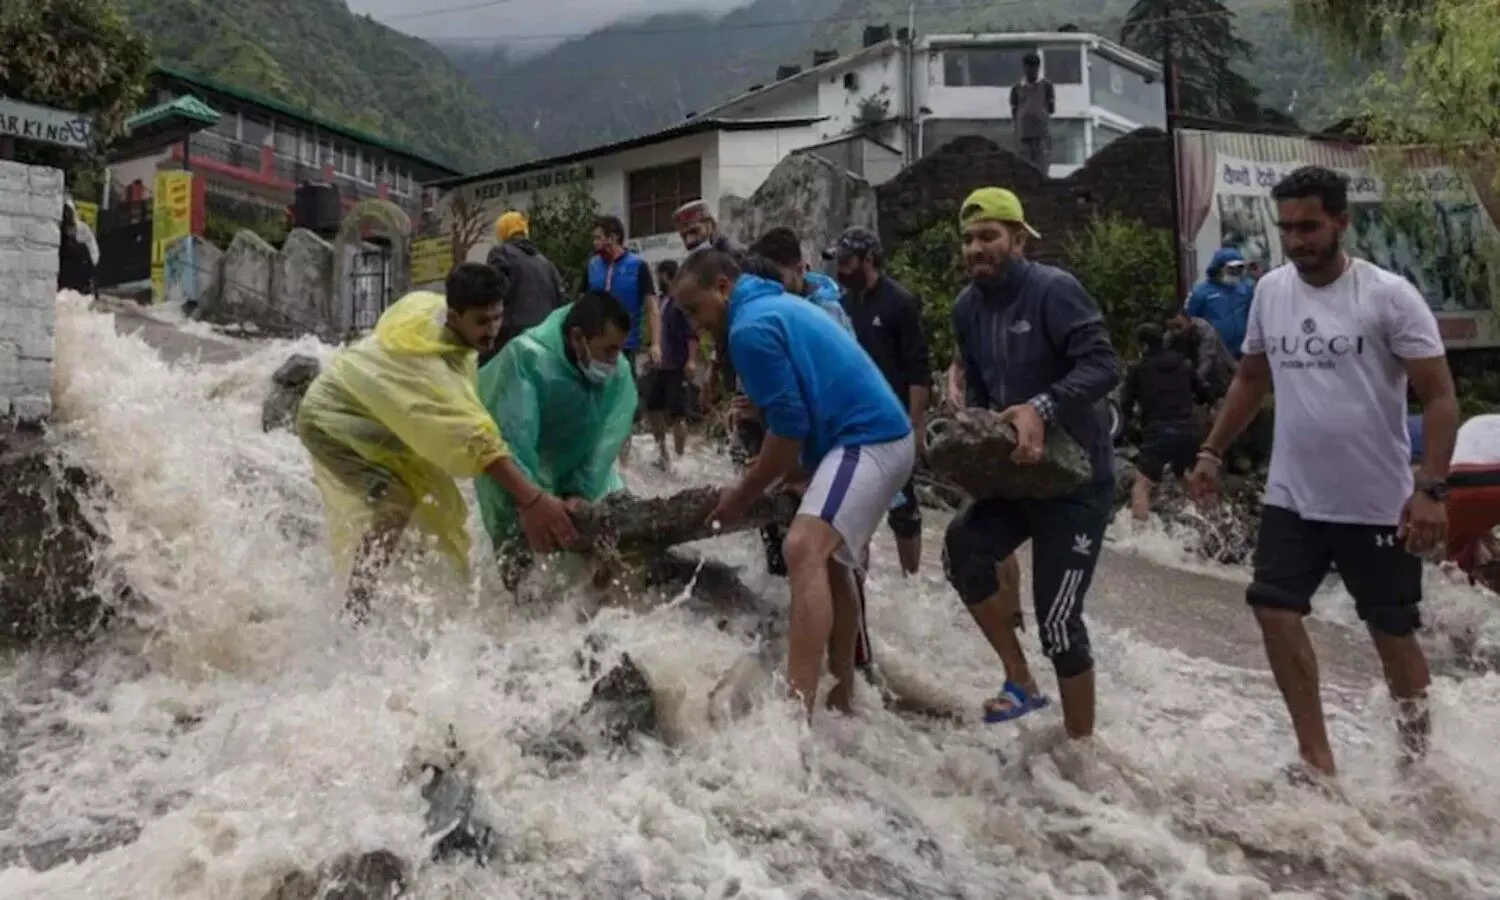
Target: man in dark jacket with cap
698,228
535,287
1035,348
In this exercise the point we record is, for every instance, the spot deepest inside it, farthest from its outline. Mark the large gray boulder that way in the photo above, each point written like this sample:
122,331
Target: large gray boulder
971,449
48,545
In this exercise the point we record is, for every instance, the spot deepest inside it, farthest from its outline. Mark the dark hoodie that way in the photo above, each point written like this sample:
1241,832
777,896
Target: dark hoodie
534,290
1035,331
1165,385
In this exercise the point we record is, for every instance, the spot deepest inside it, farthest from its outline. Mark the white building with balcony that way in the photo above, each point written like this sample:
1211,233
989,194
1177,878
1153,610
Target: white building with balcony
912,97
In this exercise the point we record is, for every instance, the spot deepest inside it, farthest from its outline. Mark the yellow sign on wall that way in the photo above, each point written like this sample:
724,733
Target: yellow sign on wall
171,220
431,259
88,214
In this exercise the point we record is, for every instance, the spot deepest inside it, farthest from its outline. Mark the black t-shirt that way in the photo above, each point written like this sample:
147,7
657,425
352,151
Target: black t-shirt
888,323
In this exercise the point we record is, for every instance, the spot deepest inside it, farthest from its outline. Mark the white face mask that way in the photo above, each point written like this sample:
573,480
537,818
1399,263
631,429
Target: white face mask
1230,278
597,372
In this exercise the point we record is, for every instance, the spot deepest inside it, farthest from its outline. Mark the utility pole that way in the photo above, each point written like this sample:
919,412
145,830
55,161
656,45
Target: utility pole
1170,89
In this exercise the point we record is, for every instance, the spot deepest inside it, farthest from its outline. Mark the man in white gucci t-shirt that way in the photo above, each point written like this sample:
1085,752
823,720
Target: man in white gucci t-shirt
1338,340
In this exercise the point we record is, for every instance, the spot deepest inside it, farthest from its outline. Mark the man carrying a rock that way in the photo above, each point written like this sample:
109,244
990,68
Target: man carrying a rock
563,396
1034,346
827,406
394,419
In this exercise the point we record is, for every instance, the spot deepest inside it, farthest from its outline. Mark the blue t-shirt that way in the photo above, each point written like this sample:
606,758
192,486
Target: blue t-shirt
809,378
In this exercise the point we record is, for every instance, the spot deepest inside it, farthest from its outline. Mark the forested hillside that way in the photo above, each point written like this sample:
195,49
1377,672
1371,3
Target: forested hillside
317,55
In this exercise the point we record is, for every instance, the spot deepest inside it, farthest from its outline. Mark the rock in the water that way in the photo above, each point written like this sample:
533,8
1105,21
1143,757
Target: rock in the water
621,707
288,384
48,588
972,449
638,524
378,875
450,812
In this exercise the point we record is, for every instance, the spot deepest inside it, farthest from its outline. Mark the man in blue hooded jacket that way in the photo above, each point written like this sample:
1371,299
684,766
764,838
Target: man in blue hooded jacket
827,406
1223,298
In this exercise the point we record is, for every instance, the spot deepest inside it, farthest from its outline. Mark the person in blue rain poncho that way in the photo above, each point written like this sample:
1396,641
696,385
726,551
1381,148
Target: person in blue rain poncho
563,395
1223,298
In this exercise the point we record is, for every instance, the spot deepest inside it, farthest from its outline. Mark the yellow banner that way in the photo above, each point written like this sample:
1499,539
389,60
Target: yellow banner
171,220
431,259
88,213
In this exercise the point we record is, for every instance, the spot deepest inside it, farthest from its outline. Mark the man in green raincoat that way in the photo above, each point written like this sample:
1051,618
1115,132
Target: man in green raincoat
564,397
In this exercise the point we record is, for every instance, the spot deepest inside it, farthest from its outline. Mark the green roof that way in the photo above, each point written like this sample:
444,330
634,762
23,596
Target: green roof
285,109
187,107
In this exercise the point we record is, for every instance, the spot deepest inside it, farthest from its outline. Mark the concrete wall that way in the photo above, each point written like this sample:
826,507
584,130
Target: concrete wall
31,202
287,291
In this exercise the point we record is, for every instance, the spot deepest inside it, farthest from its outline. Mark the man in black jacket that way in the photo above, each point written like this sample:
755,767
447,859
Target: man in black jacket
888,323
1164,385
1035,347
535,287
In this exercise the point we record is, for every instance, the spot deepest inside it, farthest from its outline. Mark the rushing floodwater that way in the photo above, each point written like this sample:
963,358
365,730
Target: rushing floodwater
241,729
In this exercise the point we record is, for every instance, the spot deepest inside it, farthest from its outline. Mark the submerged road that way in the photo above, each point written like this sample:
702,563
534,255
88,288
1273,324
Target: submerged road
1192,613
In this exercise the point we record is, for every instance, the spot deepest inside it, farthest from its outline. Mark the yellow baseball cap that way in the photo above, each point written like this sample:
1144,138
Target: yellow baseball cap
510,225
992,204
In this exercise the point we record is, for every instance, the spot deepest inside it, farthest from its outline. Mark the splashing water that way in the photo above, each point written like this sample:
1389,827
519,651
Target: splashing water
239,729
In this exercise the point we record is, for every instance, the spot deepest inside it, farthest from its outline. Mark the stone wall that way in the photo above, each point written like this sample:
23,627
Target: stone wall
288,291
808,194
31,202
1132,177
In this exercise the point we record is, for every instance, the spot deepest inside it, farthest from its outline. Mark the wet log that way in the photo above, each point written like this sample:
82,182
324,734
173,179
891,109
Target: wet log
972,449
631,524
288,384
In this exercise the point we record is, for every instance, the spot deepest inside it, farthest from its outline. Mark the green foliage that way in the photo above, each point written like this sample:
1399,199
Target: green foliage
1128,269
220,230
930,267
318,56
75,55
562,225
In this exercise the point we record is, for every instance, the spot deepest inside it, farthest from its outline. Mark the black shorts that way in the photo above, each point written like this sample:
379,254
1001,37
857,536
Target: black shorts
1065,534
1293,555
665,391
906,519
1166,450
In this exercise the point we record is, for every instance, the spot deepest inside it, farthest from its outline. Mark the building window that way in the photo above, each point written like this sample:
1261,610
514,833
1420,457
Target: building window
1104,135
228,126
256,130
286,141
1126,92
364,171
655,193
1068,147
1063,64
308,153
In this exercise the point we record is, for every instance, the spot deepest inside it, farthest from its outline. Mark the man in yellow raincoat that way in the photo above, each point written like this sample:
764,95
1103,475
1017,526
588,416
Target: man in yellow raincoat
563,395
394,419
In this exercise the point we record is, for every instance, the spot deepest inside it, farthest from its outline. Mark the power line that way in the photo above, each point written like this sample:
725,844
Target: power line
443,11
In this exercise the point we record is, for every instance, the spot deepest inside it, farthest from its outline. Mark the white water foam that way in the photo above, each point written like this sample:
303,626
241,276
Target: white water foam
242,729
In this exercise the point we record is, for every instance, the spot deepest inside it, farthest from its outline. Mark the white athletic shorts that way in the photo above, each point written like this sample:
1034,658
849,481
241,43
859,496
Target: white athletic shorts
852,490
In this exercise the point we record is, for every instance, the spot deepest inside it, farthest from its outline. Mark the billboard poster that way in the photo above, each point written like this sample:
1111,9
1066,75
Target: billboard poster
171,220
1437,235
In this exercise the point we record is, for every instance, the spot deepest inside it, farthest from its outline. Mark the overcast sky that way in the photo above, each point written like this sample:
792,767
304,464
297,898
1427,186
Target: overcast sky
528,26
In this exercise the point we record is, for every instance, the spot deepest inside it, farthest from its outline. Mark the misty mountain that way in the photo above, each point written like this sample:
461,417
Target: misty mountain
633,78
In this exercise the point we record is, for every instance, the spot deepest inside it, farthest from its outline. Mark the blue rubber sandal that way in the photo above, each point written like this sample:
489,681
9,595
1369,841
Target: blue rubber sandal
1020,704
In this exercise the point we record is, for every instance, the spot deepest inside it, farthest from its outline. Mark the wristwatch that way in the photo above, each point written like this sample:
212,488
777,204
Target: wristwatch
1436,488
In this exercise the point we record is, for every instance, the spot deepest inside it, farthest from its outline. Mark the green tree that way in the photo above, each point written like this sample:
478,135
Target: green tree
76,55
930,267
562,225
1129,269
1440,82
1205,47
